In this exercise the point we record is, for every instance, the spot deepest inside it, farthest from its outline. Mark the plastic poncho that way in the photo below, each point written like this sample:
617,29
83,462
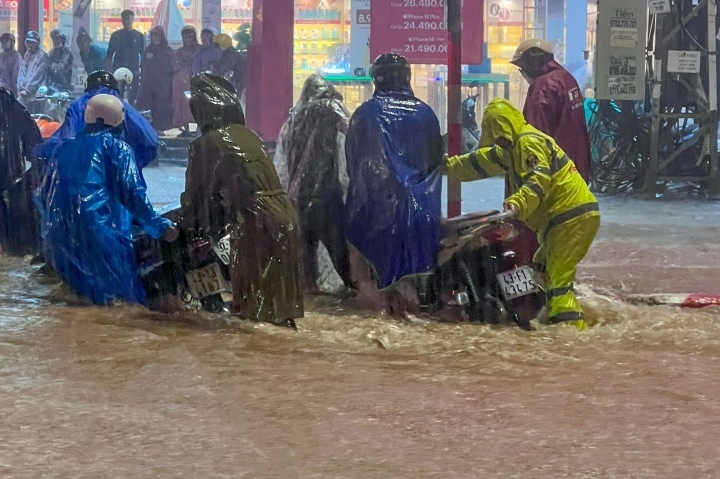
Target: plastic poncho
138,132
60,68
32,74
230,181
394,150
9,70
310,160
18,218
554,105
155,92
93,192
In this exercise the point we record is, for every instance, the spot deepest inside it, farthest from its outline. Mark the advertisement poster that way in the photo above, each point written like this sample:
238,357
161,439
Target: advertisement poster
620,67
416,29
360,37
211,14
506,13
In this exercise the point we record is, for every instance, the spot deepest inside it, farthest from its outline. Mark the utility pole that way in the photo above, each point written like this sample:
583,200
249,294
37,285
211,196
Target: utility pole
453,21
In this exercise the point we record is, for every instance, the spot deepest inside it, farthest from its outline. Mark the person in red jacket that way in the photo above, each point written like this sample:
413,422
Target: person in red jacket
555,106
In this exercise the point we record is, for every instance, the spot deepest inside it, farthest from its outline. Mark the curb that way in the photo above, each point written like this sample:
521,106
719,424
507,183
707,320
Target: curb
680,300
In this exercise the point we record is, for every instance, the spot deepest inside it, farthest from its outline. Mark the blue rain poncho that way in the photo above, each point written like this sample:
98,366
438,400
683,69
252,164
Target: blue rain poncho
394,149
138,132
93,191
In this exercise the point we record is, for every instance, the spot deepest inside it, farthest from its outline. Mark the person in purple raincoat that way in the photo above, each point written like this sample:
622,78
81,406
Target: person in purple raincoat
10,60
157,77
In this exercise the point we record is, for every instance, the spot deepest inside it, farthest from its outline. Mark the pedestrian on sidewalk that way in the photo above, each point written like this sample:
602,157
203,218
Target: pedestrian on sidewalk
10,60
182,64
207,53
92,55
156,85
126,50
33,70
60,63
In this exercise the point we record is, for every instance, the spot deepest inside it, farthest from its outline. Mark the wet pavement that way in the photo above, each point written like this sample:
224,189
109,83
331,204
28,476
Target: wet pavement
121,392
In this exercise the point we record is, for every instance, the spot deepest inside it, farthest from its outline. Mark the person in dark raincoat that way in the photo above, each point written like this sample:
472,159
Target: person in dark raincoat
137,131
182,63
311,157
60,63
231,64
554,105
231,181
157,77
19,228
394,152
93,191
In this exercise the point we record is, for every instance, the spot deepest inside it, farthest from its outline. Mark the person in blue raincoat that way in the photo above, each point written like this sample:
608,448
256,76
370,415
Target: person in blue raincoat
138,132
394,150
94,187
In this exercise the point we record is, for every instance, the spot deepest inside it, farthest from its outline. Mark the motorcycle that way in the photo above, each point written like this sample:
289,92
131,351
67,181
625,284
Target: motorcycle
470,130
478,277
53,102
194,268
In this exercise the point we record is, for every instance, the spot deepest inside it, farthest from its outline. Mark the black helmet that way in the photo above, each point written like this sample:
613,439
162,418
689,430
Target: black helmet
58,34
391,69
101,78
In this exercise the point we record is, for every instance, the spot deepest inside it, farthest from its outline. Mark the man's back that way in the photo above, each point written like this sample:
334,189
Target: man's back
394,149
555,106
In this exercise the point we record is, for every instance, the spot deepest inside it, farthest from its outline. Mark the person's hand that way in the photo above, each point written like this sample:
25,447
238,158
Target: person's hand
149,55
172,234
510,208
23,92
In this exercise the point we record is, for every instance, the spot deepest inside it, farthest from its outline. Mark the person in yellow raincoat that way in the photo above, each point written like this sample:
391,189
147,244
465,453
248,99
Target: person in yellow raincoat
546,193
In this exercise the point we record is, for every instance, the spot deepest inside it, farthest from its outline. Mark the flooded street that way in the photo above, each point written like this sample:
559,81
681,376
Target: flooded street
120,392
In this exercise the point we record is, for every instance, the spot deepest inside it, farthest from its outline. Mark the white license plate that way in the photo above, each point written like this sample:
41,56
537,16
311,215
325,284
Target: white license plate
206,281
222,249
517,282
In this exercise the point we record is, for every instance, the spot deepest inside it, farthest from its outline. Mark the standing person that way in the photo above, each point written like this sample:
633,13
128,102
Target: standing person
394,152
33,69
156,85
230,180
310,161
182,63
10,60
19,229
92,194
92,55
547,193
207,53
126,50
231,65
60,63
555,106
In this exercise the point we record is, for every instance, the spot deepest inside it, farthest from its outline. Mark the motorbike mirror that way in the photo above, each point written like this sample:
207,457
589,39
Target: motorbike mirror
187,95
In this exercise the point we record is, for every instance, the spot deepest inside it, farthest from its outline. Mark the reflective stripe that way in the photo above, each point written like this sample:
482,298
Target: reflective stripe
537,189
477,167
559,291
569,215
496,158
556,163
569,316
539,170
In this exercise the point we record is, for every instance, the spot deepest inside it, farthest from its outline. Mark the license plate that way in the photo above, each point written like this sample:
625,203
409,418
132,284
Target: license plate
222,249
206,281
517,282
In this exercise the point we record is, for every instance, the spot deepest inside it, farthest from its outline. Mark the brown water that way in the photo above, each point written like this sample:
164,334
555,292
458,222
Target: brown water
113,392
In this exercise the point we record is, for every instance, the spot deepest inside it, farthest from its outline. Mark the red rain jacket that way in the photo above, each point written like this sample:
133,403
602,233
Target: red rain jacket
555,106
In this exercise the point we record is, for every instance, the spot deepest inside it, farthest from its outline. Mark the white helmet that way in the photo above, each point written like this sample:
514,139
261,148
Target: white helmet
104,109
123,75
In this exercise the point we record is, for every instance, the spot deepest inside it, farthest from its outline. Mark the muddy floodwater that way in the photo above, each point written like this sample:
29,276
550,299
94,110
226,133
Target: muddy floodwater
117,393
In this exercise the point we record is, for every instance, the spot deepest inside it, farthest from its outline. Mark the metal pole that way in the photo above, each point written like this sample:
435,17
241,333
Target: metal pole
454,115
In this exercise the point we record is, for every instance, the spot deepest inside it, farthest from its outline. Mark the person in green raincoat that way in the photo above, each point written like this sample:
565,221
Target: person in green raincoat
546,193
231,181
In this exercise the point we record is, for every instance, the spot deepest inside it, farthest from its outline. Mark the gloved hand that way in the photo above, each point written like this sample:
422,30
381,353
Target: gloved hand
510,208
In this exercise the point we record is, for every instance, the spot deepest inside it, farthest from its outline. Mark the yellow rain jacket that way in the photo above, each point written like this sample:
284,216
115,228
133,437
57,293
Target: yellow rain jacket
548,193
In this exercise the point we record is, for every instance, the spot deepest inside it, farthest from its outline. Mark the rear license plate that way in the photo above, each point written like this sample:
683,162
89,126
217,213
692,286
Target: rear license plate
222,249
517,282
206,281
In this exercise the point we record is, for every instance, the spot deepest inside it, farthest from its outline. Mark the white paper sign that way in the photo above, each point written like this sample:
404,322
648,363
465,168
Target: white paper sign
683,61
624,37
659,6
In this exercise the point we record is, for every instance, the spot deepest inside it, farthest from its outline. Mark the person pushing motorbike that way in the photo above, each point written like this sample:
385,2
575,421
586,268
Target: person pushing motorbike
231,183
547,193
93,190
137,131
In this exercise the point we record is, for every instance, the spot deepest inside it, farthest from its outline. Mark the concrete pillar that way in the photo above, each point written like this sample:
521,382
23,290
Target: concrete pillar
269,90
